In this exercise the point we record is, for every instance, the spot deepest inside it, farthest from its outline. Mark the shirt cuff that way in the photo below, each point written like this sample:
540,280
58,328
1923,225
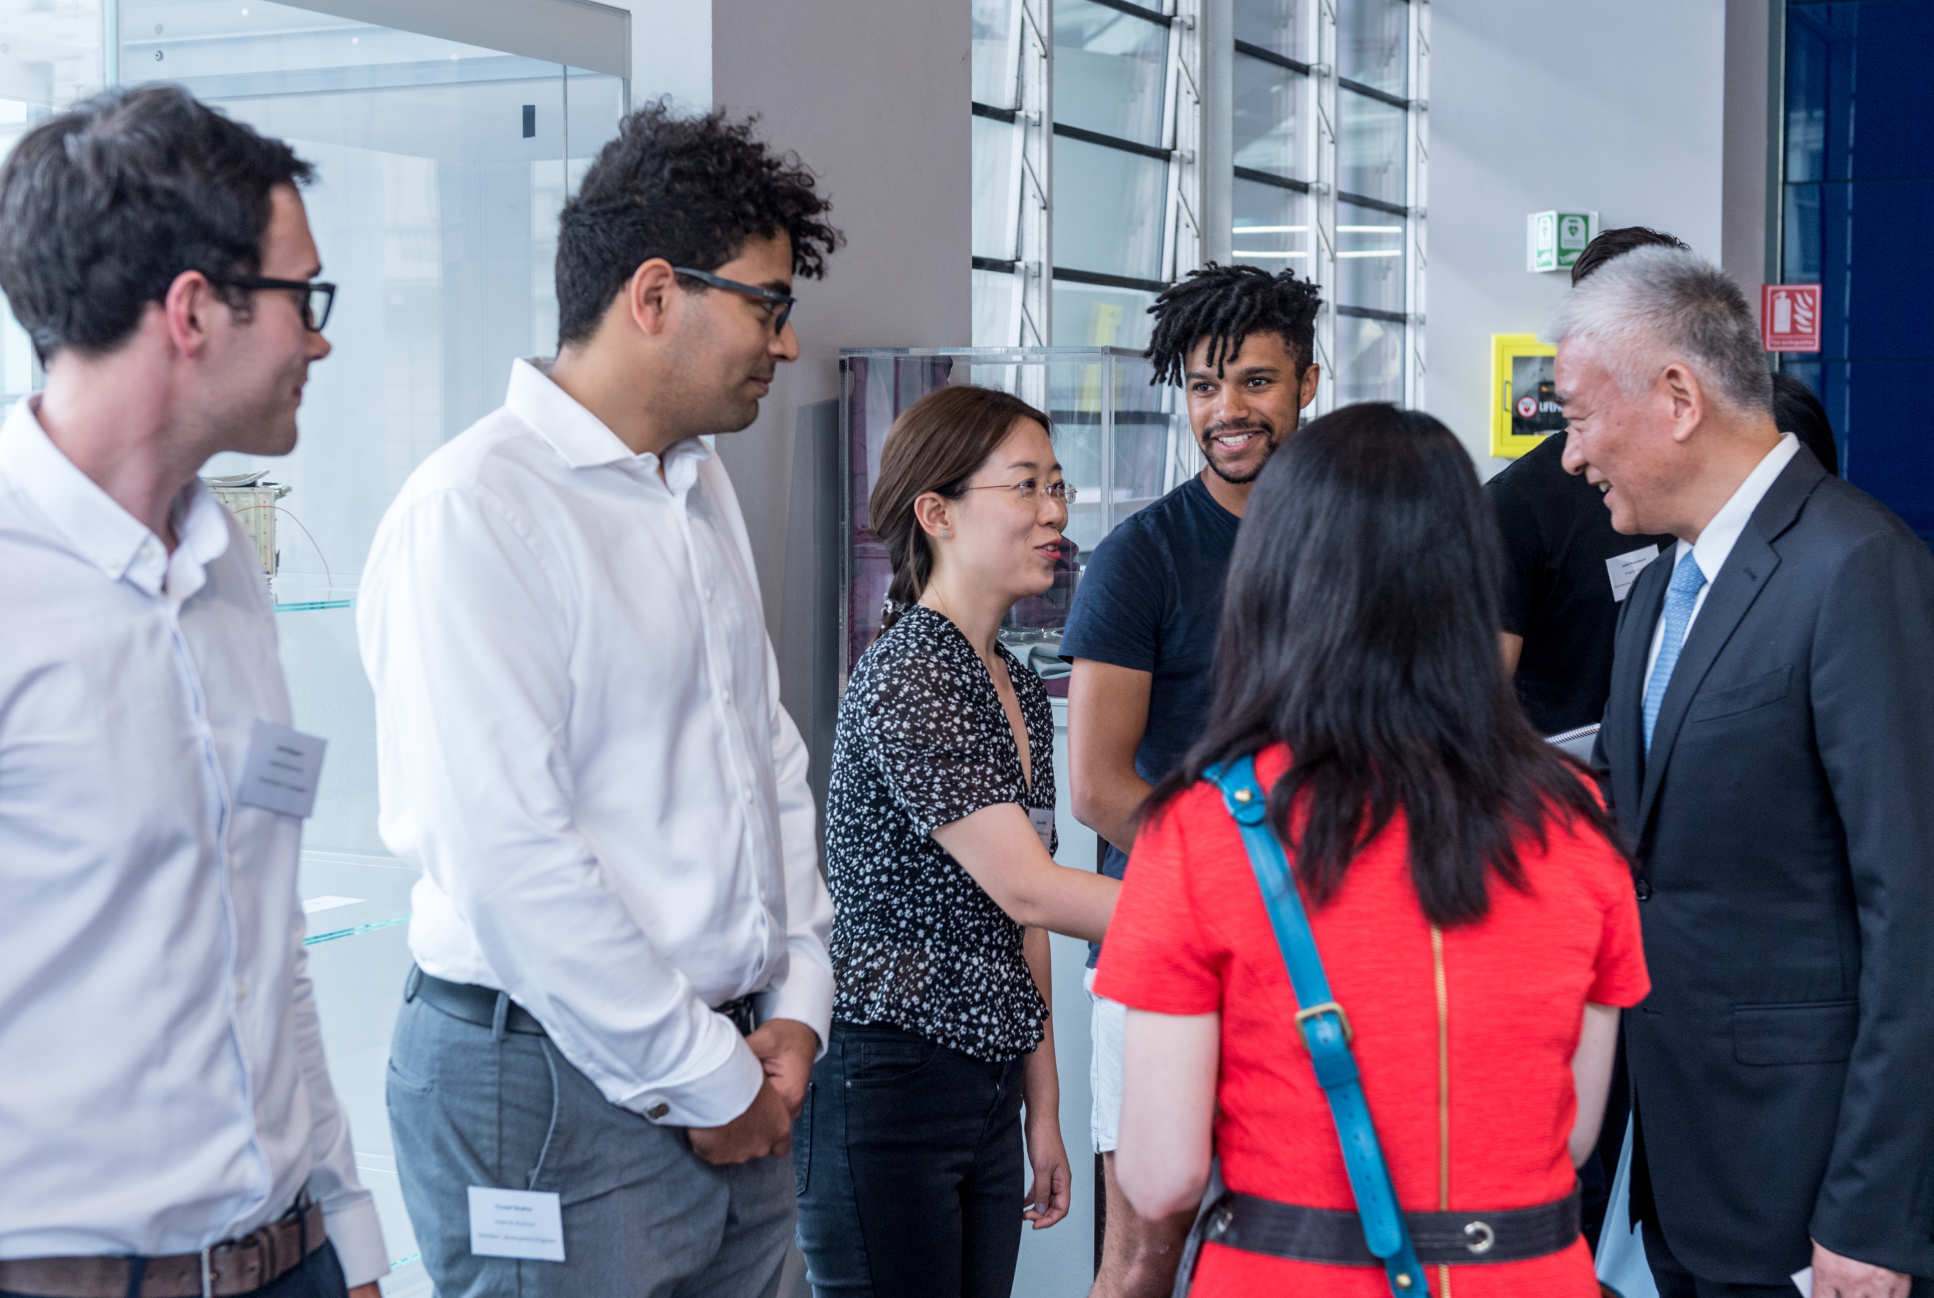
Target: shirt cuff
352,1227
805,994
710,1099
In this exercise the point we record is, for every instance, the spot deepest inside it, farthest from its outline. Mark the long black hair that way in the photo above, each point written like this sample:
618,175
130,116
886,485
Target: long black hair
1360,627
1225,304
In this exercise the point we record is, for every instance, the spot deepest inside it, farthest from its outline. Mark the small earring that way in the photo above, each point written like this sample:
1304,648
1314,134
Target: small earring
949,532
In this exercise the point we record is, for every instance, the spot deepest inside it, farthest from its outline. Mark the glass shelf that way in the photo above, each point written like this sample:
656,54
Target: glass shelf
304,592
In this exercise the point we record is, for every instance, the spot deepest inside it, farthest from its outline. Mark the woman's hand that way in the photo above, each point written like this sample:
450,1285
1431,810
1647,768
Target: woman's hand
1047,1197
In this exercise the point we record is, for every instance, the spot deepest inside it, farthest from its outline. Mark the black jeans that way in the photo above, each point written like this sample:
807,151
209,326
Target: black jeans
319,1276
908,1162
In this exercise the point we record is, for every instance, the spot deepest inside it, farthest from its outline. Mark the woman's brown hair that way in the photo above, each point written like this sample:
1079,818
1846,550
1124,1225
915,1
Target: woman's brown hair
935,445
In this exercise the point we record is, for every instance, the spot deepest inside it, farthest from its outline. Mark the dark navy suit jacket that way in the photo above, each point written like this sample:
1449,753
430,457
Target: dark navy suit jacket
1783,829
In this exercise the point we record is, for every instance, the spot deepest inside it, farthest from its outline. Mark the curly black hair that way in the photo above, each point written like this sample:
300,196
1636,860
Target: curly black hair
1225,304
103,205
689,189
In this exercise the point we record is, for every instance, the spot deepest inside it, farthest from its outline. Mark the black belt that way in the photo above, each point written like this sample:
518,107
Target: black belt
1335,1236
483,1005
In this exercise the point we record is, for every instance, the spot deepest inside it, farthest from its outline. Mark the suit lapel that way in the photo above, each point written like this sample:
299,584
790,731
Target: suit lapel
1739,583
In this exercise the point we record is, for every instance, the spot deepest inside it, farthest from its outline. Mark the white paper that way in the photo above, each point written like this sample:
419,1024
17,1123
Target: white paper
1624,569
281,770
310,905
1043,821
1803,1281
516,1223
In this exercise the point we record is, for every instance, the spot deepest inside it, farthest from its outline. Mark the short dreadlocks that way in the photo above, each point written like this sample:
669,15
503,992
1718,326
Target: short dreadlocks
1225,304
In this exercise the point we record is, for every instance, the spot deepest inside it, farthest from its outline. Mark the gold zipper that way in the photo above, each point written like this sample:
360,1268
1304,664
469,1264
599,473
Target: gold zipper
1443,1089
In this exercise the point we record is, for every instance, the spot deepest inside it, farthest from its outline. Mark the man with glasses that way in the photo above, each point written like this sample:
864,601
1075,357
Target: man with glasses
167,1125
620,933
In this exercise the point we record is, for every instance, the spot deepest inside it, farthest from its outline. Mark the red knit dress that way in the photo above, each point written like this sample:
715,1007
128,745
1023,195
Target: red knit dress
1502,1000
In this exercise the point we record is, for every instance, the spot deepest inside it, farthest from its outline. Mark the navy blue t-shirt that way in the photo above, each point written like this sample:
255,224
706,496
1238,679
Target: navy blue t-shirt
1149,600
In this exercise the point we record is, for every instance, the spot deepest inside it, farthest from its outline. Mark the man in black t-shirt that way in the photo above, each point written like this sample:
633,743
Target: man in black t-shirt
1565,570
1141,633
1565,573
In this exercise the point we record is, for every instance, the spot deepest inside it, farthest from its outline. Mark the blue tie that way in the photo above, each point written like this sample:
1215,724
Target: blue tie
1679,599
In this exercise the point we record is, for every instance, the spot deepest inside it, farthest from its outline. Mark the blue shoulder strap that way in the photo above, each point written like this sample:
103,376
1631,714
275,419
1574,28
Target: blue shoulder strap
1324,1028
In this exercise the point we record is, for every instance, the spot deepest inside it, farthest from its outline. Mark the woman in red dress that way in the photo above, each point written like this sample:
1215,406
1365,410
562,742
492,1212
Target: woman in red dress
1478,926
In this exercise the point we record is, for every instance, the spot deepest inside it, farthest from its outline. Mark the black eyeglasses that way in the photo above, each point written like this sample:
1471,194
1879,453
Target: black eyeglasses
318,296
782,303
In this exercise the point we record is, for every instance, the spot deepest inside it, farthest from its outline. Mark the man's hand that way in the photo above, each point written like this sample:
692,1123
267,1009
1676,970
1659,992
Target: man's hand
1047,1197
785,1049
763,1130
1842,1277
366,1291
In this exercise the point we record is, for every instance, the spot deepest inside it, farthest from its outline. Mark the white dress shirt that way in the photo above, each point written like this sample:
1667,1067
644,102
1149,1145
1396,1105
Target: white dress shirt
580,743
162,1083
1716,541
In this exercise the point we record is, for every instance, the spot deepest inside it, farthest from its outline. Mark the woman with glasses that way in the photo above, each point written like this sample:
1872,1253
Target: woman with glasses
939,841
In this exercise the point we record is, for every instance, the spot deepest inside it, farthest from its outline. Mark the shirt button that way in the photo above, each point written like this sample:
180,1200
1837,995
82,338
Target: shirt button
241,990
657,1111
1644,889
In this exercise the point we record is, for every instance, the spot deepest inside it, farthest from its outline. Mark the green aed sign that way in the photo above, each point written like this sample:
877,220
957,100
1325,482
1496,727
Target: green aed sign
1553,240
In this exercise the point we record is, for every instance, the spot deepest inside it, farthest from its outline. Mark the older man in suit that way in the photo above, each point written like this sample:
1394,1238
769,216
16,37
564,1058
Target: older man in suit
1770,742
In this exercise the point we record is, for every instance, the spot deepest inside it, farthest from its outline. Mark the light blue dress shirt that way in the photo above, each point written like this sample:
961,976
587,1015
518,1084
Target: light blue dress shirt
162,1082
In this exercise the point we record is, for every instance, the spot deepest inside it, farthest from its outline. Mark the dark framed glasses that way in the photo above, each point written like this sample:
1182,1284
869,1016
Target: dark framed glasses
782,303
315,297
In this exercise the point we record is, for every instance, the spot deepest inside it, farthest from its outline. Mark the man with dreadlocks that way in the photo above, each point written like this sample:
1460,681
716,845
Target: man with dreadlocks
1141,634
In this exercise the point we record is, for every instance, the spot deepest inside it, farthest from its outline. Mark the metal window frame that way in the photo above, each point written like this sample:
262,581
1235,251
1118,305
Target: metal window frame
1197,146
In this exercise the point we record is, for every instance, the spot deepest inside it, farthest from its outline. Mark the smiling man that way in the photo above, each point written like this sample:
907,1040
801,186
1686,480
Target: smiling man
1141,634
167,1125
1767,742
620,932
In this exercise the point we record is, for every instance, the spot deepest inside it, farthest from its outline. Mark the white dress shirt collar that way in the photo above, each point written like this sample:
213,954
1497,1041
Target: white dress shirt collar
95,524
1716,541
582,439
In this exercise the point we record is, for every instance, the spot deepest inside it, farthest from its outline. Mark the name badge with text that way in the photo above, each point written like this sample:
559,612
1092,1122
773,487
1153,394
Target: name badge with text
516,1223
1624,569
1042,818
281,771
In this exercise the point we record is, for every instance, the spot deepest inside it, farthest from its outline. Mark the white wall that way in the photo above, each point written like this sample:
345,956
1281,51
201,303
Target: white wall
1576,107
872,95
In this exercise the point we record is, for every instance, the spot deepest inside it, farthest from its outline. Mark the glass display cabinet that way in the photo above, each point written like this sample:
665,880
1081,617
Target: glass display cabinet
1122,443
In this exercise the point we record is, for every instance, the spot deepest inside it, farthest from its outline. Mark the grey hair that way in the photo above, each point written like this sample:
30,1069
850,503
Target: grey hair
1656,305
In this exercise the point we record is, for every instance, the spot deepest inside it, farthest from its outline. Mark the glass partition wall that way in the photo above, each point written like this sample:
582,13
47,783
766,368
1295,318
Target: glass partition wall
441,168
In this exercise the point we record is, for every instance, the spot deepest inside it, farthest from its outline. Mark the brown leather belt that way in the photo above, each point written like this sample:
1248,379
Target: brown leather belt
237,1266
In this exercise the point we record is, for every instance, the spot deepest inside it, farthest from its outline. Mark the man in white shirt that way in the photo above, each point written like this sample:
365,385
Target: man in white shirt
1767,738
167,1126
620,931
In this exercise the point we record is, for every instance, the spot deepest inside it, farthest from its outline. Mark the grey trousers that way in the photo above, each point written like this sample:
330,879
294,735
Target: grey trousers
643,1216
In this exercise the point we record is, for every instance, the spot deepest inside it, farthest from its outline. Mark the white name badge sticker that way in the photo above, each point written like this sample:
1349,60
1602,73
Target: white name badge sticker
281,771
1043,821
516,1223
1624,569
